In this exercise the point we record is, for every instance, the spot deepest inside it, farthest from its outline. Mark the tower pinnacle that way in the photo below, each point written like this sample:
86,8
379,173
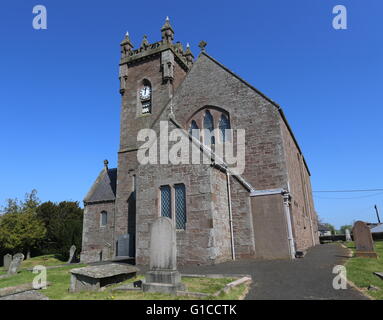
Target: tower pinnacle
167,31
126,44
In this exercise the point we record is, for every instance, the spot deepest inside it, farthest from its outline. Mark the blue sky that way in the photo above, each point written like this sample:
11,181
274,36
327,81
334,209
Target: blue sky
60,103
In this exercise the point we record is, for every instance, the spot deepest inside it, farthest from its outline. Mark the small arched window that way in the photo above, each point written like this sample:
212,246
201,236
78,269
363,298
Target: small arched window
103,218
194,130
224,124
208,125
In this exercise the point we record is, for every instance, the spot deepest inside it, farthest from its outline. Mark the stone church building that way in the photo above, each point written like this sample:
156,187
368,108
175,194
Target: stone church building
266,212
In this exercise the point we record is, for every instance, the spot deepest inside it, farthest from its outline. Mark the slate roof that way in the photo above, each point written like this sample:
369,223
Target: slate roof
377,229
104,188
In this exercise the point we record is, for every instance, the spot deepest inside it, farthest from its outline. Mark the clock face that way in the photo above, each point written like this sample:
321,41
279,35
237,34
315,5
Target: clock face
145,93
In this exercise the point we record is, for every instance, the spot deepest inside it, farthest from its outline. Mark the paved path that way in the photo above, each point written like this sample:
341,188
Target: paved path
307,278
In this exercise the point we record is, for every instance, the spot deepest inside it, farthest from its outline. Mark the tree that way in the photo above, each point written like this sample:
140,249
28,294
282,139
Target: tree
31,201
13,206
64,226
331,227
21,231
42,227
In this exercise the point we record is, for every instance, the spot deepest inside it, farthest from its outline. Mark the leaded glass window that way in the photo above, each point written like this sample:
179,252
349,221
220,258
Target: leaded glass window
166,206
180,205
208,125
224,125
194,130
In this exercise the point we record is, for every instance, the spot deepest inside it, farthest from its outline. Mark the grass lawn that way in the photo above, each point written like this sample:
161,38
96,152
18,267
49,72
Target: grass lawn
361,270
47,260
60,279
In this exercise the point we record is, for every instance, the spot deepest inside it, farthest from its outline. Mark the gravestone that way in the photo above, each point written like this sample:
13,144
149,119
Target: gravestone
15,264
348,235
7,259
123,245
163,275
72,251
363,240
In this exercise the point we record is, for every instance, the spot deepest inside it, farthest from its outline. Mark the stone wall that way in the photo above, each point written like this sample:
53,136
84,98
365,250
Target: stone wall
97,240
270,227
304,219
192,243
210,84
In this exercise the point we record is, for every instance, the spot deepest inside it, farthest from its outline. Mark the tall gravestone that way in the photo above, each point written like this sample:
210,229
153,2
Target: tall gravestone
348,235
15,264
72,251
163,275
363,240
7,259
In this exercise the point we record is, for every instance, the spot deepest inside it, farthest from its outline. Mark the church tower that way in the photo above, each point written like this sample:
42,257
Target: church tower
148,76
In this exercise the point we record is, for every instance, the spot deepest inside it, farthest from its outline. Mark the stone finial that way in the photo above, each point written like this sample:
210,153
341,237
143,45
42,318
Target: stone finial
126,44
106,162
167,31
144,42
202,45
188,54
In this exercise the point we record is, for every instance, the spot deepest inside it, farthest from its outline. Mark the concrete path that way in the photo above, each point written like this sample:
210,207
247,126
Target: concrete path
307,278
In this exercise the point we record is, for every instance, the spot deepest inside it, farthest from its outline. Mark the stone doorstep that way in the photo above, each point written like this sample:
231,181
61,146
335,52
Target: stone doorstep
18,289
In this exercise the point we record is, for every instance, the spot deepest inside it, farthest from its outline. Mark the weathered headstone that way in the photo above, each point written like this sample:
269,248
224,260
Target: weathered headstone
72,251
163,275
15,264
348,235
363,240
7,259
123,245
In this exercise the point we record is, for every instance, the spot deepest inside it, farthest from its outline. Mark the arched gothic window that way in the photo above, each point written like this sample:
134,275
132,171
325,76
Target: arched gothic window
208,125
194,130
224,124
